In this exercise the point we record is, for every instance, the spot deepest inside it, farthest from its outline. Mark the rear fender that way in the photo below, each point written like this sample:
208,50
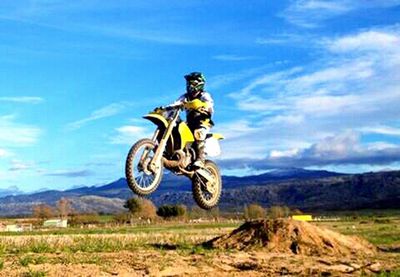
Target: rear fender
218,136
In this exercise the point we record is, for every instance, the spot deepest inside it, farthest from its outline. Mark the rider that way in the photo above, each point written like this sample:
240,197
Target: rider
198,117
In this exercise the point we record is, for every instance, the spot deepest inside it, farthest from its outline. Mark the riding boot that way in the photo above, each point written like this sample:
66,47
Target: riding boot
200,153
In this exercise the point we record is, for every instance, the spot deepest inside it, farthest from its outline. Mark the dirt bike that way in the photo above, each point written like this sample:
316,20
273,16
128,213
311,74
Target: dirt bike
172,147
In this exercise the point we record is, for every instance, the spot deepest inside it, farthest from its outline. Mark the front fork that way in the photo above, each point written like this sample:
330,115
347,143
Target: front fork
156,160
144,162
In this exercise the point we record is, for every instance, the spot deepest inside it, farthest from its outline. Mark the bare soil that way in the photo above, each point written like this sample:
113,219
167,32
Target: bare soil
258,248
288,236
174,263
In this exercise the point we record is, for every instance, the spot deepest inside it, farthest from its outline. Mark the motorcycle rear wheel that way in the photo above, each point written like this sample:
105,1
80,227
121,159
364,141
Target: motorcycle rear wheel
204,198
141,180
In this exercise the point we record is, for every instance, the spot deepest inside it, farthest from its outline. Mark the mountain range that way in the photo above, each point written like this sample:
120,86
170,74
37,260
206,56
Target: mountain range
294,187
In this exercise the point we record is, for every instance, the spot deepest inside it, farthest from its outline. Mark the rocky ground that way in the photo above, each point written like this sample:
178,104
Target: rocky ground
174,263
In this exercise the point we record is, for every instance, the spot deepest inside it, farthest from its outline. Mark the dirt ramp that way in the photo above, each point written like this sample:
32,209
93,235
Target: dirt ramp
291,236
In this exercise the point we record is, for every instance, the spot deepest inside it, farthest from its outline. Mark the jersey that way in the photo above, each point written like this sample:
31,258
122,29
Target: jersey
195,118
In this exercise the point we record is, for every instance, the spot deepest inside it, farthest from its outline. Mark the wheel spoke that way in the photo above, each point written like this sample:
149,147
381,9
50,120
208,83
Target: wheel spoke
208,196
144,155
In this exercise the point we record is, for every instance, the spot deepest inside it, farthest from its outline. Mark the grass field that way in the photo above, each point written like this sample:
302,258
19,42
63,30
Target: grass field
174,248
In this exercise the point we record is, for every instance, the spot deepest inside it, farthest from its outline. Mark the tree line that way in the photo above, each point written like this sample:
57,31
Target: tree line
141,209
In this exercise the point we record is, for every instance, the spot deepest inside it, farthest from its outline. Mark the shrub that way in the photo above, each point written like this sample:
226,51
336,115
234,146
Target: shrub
168,211
43,211
122,218
84,219
133,205
64,207
254,211
148,209
141,207
278,211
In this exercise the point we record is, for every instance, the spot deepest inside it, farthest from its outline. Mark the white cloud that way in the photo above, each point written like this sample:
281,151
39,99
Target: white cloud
291,119
140,34
70,173
327,105
129,134
4,153
236,129
312,13
369,40
18,165
15,134
380,129
218,81
342,149
276,154
334,147
22,99
309,13
233,58
104,112
306,108
381,146
341,72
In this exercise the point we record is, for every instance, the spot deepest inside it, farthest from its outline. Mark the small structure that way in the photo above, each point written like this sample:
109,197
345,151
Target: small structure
16,227
13,228
302,217
58,223
26,226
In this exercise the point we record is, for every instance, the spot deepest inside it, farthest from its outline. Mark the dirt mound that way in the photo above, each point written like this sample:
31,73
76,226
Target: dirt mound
291,236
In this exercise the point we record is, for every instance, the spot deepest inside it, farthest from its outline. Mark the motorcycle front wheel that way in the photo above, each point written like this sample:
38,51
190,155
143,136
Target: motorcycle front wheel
141,180
207,196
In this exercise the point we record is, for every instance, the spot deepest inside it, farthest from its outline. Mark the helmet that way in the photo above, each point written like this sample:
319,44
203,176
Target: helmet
195,82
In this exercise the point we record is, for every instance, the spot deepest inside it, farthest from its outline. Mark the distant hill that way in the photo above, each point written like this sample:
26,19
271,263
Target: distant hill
276,175
346,192
300,188
12,190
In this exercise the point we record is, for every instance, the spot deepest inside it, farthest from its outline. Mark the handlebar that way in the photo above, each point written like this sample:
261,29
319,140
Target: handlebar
170,107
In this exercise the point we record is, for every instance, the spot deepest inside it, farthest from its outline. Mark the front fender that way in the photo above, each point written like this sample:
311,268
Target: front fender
157,119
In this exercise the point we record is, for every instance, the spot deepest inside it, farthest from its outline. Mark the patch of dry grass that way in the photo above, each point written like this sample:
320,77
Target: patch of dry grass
103,242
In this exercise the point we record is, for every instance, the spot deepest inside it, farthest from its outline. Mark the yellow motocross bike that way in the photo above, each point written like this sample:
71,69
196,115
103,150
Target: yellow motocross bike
171,147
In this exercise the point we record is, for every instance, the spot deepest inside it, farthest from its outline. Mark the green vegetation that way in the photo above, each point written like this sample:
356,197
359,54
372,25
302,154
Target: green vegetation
133,205
141,208
395,273
169,211
31,259
254,211
379,232
141,228
35,273
84,219
183,237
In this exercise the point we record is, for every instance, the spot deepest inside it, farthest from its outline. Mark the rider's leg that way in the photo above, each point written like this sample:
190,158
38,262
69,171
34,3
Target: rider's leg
200,137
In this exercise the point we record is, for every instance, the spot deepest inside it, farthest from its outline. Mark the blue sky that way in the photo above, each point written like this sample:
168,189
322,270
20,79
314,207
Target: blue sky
301,83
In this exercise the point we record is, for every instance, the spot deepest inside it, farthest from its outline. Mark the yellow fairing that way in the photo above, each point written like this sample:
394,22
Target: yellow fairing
186,134
196,104
218,136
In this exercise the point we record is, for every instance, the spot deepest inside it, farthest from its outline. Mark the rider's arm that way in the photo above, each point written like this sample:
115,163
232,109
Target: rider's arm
179,101
209,108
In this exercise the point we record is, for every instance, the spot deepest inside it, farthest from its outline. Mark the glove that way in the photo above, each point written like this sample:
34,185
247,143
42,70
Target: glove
203,110
159,108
